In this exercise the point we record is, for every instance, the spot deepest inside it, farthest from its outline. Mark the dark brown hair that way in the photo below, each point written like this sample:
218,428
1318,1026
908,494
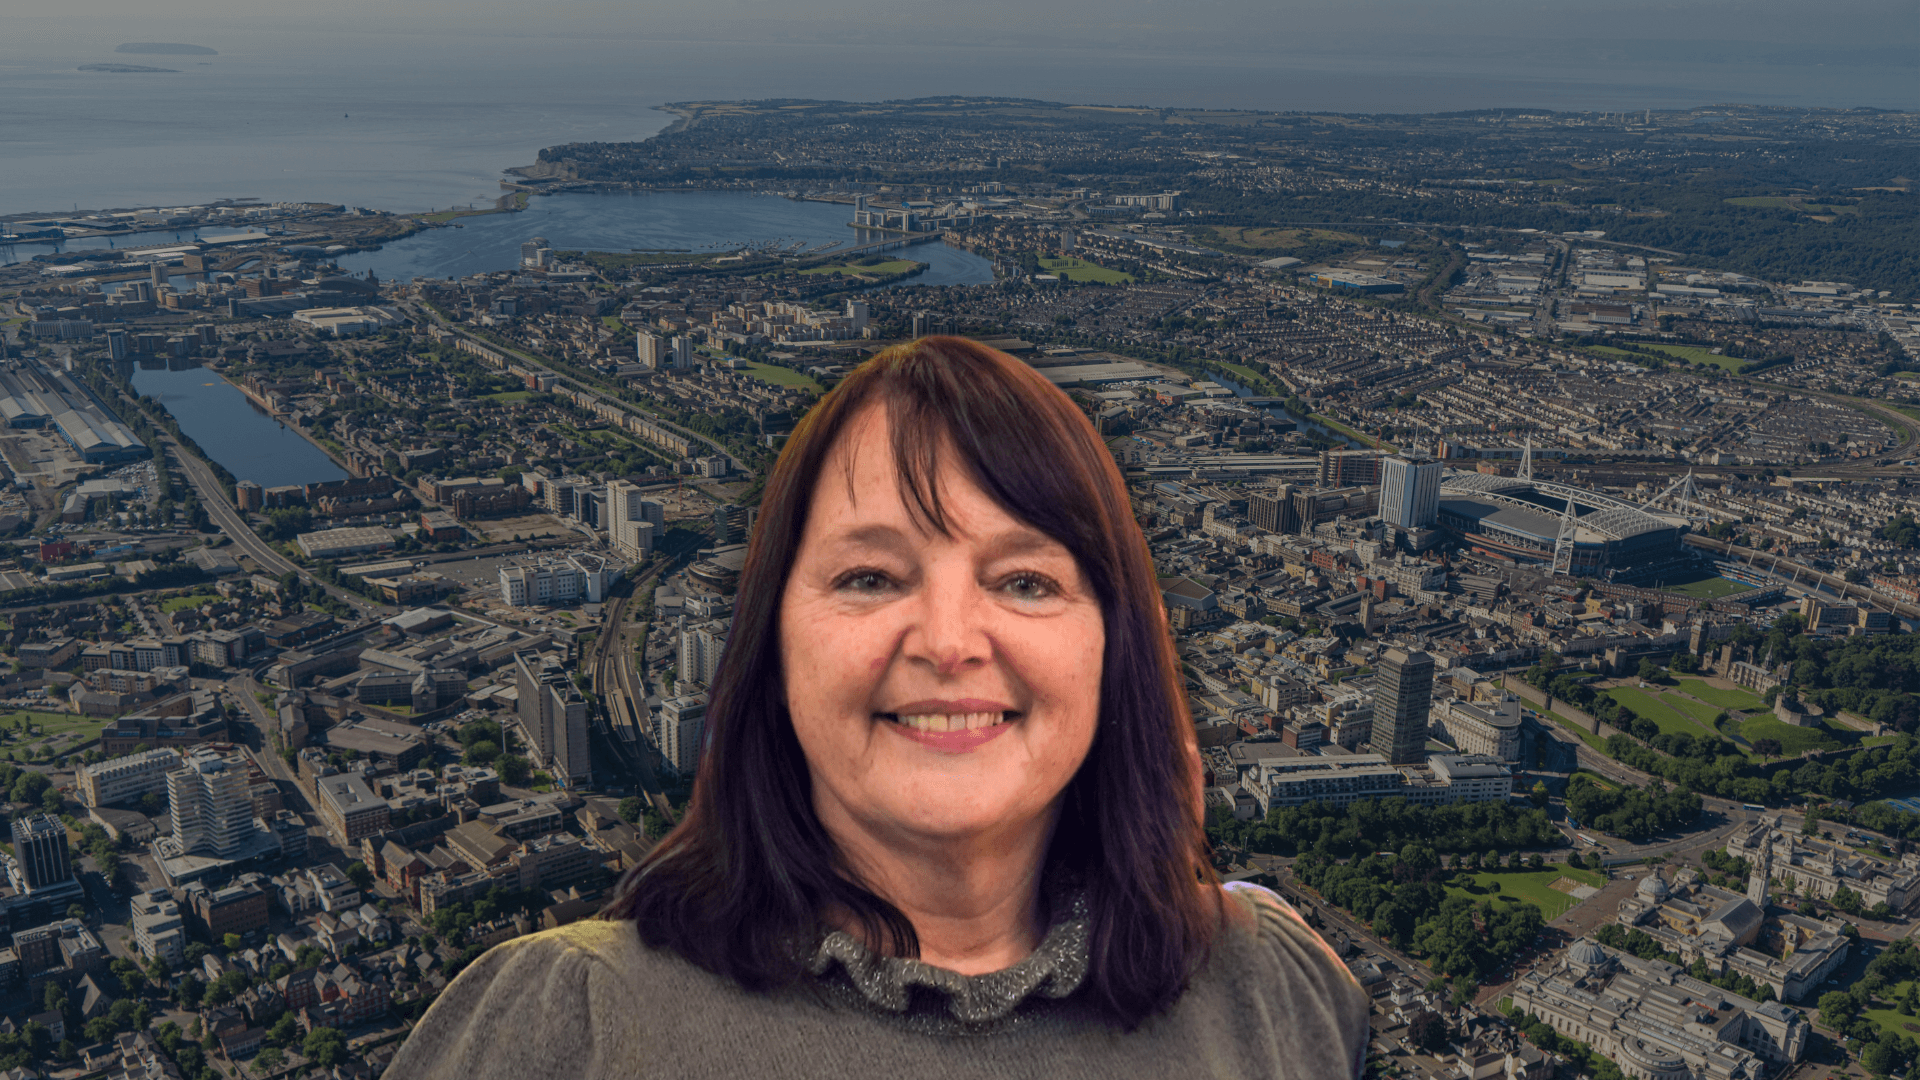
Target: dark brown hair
739,887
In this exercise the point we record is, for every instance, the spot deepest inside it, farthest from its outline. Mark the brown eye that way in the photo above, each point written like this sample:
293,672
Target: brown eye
1029,587
865,581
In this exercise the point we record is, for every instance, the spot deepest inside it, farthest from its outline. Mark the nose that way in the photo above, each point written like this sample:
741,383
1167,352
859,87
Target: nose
949,631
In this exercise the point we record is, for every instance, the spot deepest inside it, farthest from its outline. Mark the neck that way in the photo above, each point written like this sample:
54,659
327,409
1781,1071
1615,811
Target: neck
974,903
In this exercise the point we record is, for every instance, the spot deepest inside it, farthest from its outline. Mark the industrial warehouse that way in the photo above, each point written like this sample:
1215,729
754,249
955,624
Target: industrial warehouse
32,397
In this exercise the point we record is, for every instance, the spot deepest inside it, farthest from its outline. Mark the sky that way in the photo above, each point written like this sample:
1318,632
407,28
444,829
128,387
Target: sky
1833,32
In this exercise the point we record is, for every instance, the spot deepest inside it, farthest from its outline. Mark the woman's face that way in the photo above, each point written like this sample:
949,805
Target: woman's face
942,687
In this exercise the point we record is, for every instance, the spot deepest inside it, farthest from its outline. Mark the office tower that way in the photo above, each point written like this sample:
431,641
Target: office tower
857,311
40,842
1410,492
1402,694
1347,468
208,338
649,349
633,523
1274,511
212,806
159,272
682,353
530,251
117,344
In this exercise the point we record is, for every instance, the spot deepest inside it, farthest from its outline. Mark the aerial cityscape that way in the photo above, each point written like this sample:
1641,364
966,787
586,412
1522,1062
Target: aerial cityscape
1533,496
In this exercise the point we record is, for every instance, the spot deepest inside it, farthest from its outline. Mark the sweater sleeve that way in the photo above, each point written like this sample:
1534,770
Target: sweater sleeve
1326,1009
519,1012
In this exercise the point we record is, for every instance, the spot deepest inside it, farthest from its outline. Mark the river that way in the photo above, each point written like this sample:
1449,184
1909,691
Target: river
1283,414
231,429
695,221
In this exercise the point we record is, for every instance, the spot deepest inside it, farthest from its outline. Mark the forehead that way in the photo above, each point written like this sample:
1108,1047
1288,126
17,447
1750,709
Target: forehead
861,482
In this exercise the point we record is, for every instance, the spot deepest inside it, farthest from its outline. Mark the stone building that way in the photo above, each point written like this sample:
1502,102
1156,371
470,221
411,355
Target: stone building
1656,1022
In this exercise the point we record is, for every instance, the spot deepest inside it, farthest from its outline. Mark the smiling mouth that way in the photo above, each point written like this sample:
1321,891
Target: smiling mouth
943,722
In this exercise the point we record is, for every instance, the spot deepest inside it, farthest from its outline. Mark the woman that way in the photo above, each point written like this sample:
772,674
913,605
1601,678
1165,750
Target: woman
948,817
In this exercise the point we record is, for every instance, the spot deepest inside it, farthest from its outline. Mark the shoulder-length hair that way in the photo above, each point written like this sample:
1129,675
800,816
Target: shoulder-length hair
740,886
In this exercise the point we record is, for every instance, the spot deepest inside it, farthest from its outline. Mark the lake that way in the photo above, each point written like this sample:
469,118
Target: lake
698,221
231,429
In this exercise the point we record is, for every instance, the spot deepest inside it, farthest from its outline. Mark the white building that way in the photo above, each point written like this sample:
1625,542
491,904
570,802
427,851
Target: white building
1656,1022
683,729
1410,492
120,779
699,652
541,585
634,524
211,805
1485,727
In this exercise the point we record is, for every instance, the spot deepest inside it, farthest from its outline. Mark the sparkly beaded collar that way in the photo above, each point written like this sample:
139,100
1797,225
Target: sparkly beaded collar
1055,970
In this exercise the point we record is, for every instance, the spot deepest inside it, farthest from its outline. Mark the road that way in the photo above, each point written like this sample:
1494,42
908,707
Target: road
214,498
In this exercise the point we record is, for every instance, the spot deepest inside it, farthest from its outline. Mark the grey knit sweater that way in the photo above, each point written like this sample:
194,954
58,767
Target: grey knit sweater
591,1001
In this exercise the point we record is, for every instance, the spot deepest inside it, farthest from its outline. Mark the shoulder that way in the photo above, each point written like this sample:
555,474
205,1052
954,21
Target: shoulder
1290,970
531,1007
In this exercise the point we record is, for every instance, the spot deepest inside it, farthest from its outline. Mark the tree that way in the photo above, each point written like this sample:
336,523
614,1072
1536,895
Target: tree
358,873
1650,671
1881,1056
514,769
75,911
1539,795
1837,1009
1426,1030
284,1031
268,1061
325,1047
1847,900
482,752
232,942
633,809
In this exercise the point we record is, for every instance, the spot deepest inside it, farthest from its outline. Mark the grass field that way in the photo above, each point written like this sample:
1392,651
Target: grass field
1699,710
508,398
1889,1019
1671,720
1081,270
1712,588
192,600
46,727
892,266
1533,886
780,376
1727,699
1692,354
1248,377
1335,425
1793,740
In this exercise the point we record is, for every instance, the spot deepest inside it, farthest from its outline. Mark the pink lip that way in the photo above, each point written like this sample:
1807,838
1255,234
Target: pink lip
954,742
932,706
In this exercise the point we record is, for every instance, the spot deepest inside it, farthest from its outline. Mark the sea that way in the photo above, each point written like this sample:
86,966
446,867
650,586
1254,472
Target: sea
408,112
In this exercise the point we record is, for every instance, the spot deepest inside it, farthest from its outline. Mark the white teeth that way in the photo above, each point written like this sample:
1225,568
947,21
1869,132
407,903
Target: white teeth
952,721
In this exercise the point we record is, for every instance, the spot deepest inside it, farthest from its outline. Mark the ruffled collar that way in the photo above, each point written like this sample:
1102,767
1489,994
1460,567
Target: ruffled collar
1054,970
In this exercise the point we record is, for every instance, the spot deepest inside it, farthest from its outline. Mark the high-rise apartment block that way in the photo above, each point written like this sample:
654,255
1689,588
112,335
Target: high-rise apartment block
1410,492
554,715
651,350
633,523
683,728
212,805
1402,696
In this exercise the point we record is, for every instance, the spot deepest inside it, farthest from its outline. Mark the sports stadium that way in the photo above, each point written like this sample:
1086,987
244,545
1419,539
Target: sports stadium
1520,519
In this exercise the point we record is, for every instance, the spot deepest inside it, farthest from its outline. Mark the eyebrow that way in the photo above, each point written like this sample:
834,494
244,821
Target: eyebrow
1007,544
